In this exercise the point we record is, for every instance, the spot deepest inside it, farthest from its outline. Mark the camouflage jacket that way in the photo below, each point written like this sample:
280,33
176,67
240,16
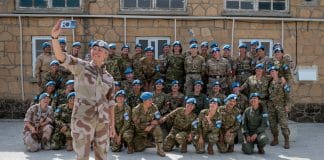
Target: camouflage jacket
112,67
219,67
278,95
180,121
175,67
133,100
142,119
123,118
195,64
176,100
162,101
202,102
204,126
34,115
231,118
243,66
62,116
254,121
260,86
43,63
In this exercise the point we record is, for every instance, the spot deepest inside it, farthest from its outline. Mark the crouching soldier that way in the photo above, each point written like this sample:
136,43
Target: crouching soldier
123,125
255,121
208,127
180,133
62,120
38,125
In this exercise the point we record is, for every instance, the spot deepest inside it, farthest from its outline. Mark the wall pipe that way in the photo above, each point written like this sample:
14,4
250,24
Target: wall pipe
21,60
125,25
233,30
175,29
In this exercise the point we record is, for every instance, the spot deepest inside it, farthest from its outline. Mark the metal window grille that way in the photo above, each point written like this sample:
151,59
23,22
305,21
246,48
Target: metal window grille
49,3
257,5
153,4
155,42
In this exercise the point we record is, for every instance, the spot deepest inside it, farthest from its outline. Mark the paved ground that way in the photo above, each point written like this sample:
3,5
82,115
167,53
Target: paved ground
306,144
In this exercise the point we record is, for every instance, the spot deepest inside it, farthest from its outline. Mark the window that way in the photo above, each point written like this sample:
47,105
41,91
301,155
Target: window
48,6
257,5
37,42
157,5
267,43
156,42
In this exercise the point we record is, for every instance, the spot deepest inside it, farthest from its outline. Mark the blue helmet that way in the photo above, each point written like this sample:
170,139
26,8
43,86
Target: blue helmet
204,44
243,45
217,100
194,45
235,84
176,43
215,83
149,48
199,82
61,40
227,46
69,82
112,46
54,62
159,81
259,66
50,83
128,70
230,97
46,44
175,82
137,81
213,44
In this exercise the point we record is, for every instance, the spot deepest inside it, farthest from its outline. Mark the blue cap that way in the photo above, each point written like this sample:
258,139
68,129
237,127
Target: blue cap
71,94
260,47
213,44
159,81
278,49
61,40
254,95
217,100
146,95
199,82
242,45
230,97
128,70
165,44
149,48
125,46
255,42
137,81
235,84
50,83
191,100
100,43
116,83
176,43
215,49
259,66
138,45
53,62
42,96
120,93
193,40
175,82
273,68
215,83
204,44
46,44
194,45
69,82
112,46
76,44
227,46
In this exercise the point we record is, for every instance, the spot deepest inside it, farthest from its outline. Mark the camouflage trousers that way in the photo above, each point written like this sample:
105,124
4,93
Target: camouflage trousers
277,115
261,141
210,136
190,81
225,140
127,137
33,144
87,130
173,138
140,137
59,139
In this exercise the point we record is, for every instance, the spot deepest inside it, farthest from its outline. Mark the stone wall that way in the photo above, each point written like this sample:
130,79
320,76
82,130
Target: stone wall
13,109
307,112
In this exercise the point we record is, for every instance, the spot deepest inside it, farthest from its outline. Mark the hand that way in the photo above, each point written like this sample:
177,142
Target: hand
253,137
189,137
155,122
33,130
118,139
148,128
63,129
56,29
162,120
200,142
283,81
112,132
287,109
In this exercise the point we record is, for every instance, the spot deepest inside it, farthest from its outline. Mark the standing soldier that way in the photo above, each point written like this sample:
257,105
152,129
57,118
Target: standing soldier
62,120
162,59
204,50
194,66
216,91
231,119
149,69
111,63
133,98
38,125
254,124
279,106
227,54
145,117
242,65
123,125
253,53
283,63
262,57
125,61
136,60
161,99
209,125
180,133
176,97
128,83
76,48
201,98
62,42
43,63
242,101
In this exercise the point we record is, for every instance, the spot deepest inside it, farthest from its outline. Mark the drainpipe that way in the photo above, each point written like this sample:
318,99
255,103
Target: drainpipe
175,29
21,60
73,32
125,25
282,33
233,29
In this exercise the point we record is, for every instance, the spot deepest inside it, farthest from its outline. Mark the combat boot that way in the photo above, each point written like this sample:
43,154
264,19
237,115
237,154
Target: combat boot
230,148
184,147
261,150
275,140
69,146
130,148
159,150
210,149
45,144
286,145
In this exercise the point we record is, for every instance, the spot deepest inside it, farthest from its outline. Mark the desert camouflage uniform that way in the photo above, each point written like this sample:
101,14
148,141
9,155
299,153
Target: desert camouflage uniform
42,66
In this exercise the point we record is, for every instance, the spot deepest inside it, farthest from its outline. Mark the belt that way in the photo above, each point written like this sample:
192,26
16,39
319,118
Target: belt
193,73
217,76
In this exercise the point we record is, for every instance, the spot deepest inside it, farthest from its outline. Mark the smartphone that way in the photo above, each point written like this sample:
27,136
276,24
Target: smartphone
68,24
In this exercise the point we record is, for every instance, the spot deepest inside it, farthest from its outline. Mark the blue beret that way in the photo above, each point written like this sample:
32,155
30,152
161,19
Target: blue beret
69,82
76,44
159,81
276,45
176,43
46,44
215,83
118,84
71,94
191,100
165,44
61,40
138,45
42,96
230,97
193,40
273,68
120,92
50,83
174,82
235,84
254,95
149,48
199,82
278,49
227,46
90,43
204,44
255,42
100,43
128,70
260,47
54,62
242,45
215,49
259,66
146,95
213,44
137,81
217,100
112,46
193,45
125,46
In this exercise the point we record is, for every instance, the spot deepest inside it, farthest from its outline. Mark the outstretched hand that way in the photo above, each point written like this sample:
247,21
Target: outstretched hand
57,29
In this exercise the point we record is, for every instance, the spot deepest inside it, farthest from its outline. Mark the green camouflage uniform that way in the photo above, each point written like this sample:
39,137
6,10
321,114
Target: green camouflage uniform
174,70
59,99
194,68
202,102
219,95
124,63
242,102
137,66
148,71
285,66
57,77
243,69
218,70
127,86
162,101
112,67
176,101
133,100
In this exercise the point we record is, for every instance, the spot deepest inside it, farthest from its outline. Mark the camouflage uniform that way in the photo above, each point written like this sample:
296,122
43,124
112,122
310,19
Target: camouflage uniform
176,100
58,77
149,71
62,117
194,68
202,102
95,88
242,102
42,66
123,63
218,70
285,65
127,85
254,122
162,101
181,128
133,100
243,69
35,116
112,67
59,99
174,70
137,66
258,86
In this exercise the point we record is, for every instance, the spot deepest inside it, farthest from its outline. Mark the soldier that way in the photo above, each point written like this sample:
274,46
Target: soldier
284,64
125,61
279,107
231,119
62,42
202,100
87,56
62,120
118,86
216,91
242,65
149,69
94,102
175,66
209,124
262,57
38,125
227,54
253,53
54,74
180,133
176,97
76,49
133,98
136,60
145,117
242,101
111,63
123,125
50,90
204,50
62,94
194,66
43,63
254,124
162,59
161,99
128,83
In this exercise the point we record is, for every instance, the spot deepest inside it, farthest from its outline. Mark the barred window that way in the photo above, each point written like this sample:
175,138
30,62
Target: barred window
49,3
257,5
155,42
151,5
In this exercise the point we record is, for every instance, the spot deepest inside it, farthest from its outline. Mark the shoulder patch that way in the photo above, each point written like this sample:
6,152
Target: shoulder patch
126,116
58,110
195,123
265,115
157,115
218,124
239,118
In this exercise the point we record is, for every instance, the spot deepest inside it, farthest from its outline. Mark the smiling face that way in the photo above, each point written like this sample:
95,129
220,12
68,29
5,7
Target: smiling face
98,54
